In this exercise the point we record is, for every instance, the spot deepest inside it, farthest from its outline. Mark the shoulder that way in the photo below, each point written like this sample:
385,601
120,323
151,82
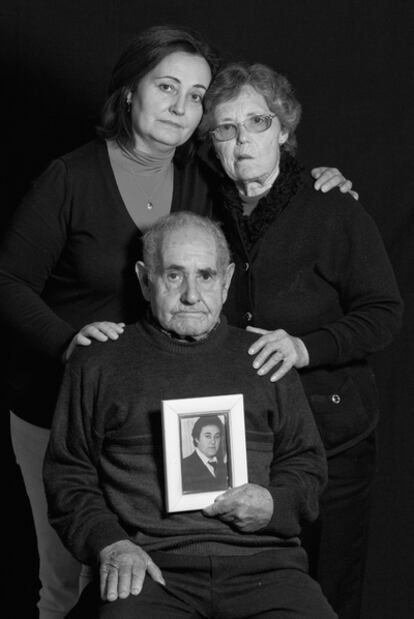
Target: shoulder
85,156
240,339
190,459
80,161
101,357
328,210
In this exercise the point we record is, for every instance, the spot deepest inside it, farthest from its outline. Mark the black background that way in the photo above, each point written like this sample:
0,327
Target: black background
351,65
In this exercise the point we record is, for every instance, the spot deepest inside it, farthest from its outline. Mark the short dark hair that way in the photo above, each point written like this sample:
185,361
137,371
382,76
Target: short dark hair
274,87
202,422
153,238
142,54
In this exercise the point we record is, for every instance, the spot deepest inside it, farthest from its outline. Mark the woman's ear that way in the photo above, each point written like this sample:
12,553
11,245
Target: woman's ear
144,280
283,136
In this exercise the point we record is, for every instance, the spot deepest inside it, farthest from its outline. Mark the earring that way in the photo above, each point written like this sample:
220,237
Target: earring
128,103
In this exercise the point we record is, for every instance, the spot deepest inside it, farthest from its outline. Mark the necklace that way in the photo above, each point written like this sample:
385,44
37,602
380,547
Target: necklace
145,181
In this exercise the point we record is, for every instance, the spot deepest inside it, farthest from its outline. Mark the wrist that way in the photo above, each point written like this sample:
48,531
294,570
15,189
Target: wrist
303,354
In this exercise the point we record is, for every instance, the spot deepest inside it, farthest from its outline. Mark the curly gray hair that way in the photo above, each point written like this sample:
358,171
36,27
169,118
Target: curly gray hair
274,87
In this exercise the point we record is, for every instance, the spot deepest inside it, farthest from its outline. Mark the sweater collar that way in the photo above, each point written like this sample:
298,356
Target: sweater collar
150,329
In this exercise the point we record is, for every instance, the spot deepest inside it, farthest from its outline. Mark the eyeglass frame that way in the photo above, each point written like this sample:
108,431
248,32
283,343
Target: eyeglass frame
236,126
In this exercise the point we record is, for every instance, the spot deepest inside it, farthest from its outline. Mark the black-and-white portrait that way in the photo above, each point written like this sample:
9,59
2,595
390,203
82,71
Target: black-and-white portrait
205,461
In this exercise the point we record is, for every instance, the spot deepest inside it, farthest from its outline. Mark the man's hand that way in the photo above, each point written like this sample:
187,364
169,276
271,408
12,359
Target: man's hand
277,347
123,566
248,507
328,178
101,331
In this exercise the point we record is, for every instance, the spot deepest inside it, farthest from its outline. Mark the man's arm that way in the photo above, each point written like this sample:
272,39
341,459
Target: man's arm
297,476
77,507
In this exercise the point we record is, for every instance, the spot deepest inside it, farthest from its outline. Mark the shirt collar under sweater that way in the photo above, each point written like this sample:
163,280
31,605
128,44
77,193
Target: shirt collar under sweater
168,344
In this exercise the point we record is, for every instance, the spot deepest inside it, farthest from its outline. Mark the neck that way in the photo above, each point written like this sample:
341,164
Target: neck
257,186
152,149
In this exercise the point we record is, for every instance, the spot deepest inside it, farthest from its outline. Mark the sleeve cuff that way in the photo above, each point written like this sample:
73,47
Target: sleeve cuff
286,516
321,346
102,535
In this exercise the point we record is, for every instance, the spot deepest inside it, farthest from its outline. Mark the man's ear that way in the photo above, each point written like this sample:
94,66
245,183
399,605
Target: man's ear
227,280
143,278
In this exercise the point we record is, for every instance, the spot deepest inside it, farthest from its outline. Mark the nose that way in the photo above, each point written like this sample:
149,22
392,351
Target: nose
242,134
189,294
178,105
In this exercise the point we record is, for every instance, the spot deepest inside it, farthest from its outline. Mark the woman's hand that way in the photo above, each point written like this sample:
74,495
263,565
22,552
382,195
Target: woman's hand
277,348
101,331
328,178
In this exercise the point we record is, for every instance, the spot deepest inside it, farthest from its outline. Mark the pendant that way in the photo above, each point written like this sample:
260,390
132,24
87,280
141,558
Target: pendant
149,205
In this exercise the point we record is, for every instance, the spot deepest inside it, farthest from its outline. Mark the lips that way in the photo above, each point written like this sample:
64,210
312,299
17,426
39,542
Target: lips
172,124
189,314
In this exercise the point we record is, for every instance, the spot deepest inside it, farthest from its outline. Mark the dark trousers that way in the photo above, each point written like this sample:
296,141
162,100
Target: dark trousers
216,588
337,542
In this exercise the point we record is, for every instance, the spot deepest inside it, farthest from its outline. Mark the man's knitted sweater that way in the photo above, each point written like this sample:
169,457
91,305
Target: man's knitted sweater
104,466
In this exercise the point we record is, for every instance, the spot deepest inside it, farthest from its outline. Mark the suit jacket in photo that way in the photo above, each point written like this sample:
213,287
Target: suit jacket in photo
197,478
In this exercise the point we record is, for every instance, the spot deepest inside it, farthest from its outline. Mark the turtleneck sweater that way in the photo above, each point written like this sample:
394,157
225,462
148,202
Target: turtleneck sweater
104,466
145,182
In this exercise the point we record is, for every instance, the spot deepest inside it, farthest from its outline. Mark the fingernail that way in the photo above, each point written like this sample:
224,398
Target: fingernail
255,364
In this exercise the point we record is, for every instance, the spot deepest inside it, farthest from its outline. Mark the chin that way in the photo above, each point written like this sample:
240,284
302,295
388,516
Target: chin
190,328
171,138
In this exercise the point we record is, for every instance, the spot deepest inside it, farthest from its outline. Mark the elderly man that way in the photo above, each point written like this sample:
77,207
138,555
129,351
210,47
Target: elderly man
239,557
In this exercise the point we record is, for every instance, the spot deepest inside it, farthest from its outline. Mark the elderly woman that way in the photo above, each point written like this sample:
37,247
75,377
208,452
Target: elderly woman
67,261
313,277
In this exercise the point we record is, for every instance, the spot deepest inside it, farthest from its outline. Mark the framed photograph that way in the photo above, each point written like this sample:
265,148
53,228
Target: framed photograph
204,446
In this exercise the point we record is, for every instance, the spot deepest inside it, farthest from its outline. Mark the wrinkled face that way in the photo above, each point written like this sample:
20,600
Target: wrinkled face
249,157
187,291
209,441
166,106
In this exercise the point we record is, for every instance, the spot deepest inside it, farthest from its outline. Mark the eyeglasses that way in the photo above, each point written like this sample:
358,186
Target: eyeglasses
254,124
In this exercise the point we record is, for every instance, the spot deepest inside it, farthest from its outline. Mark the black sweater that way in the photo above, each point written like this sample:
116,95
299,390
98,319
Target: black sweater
314,264
67,260
104,466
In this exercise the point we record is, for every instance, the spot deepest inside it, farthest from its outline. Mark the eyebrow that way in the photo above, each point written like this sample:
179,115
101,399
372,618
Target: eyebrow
175,79
229,119
176,267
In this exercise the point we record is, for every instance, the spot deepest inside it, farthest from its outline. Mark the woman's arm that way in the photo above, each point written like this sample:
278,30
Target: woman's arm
354,261
30,250
34,242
